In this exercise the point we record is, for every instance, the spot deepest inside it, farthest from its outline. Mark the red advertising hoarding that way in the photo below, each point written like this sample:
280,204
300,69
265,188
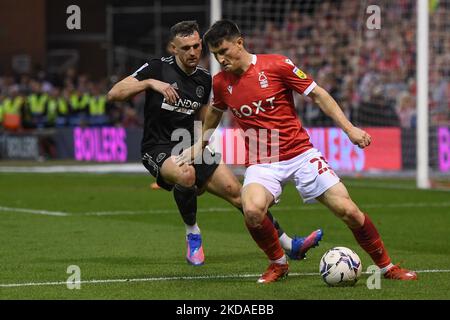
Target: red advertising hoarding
384,154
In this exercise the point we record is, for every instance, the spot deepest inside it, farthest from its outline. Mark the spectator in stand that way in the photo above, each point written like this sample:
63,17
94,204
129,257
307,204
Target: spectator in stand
376,111
406,109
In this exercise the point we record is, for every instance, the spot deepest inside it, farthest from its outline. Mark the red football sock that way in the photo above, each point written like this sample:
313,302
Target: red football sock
369,239
266,237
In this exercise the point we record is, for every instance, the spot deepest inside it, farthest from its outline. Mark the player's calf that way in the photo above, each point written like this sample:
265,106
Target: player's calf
349,213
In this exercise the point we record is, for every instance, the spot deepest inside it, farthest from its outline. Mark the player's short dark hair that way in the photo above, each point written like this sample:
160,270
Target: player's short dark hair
184,29
220,31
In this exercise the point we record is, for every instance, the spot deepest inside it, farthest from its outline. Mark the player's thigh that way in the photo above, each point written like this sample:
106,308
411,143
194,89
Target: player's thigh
224,184
172,173
266,175
313,176
335,196
256,200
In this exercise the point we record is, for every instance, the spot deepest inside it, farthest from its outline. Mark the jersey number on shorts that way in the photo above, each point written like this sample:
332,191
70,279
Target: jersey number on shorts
322,165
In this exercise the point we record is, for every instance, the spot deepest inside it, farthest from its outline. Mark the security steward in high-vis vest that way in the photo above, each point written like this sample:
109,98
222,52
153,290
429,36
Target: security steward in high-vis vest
36,105
97,107
57,109
78,103
11,109
1,110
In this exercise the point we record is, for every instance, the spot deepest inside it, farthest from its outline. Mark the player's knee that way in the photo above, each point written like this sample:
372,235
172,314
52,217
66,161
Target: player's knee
187,177
254,214
236,201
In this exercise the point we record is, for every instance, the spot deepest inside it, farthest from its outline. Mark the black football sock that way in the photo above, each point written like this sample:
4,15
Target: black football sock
186,199
275,224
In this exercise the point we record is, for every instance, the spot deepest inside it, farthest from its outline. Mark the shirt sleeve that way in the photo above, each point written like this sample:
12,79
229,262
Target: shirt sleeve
150,70
217,99
207,94
295,78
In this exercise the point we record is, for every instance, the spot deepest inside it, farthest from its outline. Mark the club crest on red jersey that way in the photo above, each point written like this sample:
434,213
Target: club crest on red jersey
263,82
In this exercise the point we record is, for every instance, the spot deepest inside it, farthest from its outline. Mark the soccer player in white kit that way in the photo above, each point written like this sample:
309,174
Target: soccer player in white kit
258,91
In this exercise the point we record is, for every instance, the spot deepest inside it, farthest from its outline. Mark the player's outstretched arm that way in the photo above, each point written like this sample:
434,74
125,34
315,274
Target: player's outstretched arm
127,88
130,86
211,120
330,107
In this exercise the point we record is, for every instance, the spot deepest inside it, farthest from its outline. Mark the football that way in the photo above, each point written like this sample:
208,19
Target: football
340,267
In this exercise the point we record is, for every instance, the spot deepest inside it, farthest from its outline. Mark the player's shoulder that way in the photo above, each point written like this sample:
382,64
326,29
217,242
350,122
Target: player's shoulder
272,58
275,61
167,60
204,74
221,78
160,60
203,70
156,61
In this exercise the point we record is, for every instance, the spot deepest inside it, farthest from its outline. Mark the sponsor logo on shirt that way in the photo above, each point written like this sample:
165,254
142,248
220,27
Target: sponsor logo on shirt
185,106
299,73
255,108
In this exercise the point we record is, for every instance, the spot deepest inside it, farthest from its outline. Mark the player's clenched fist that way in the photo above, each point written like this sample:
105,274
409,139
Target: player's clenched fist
359,137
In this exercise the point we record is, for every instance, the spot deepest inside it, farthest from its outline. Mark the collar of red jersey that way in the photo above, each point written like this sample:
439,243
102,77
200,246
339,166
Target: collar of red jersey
254,58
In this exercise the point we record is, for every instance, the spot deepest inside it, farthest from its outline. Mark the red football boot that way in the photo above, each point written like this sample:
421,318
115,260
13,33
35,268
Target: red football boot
397,273
274,272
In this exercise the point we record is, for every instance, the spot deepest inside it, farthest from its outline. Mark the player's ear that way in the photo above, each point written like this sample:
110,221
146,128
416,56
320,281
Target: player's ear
240,42
173,47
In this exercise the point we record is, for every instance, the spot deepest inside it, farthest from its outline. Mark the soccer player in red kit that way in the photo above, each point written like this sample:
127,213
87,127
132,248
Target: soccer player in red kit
258,91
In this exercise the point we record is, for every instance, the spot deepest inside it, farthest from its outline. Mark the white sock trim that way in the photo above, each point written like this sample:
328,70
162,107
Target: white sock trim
282,260
192,229
286,242
386,269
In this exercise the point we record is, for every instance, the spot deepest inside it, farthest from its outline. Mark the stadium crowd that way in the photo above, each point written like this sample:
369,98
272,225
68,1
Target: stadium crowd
30,102
371,73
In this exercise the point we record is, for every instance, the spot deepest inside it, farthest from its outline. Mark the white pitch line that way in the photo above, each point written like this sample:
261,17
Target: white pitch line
32,211
299,208
154,211
181,278
98,168
393,186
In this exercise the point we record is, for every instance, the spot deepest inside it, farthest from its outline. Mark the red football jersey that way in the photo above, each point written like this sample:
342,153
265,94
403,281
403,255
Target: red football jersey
260,99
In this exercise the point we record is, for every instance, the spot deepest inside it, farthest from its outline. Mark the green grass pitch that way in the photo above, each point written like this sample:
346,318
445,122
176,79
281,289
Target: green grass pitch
117,228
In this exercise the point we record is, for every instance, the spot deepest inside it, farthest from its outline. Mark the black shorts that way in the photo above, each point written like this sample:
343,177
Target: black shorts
153,158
